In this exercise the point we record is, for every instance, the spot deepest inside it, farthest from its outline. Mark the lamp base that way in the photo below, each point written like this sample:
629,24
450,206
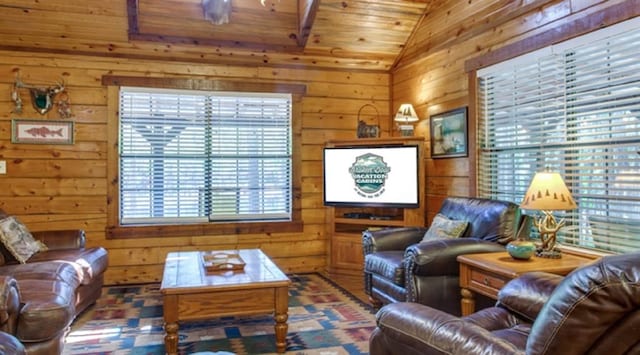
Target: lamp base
549,254
406,130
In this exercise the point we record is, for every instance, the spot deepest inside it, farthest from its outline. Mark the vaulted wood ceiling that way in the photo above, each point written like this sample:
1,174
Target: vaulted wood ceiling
355,34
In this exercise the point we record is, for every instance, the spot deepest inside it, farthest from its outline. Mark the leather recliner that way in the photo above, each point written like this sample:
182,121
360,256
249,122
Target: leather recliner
398,267
593,310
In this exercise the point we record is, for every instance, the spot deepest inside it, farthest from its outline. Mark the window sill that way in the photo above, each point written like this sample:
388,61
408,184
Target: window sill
190,230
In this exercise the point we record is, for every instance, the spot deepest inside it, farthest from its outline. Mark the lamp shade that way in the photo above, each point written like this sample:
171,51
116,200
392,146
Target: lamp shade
406,113
547,192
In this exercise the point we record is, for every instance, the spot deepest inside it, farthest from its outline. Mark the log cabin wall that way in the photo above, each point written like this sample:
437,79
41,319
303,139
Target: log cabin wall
64,186
431,71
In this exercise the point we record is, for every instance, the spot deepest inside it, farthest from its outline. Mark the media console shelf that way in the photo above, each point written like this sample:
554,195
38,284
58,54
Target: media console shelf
345,224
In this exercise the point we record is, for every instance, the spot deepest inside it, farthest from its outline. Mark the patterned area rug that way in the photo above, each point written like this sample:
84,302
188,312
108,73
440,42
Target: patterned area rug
323,319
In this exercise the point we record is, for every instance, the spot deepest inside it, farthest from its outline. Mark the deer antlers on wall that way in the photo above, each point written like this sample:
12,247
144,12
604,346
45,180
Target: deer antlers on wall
42,98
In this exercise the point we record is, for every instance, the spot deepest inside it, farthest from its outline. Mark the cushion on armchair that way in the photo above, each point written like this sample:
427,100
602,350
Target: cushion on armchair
445,228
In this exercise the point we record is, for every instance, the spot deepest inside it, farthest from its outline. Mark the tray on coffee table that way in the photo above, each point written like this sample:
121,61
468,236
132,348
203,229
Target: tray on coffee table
222,261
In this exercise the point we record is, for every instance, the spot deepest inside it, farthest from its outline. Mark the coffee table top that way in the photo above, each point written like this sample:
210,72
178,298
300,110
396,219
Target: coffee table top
184,271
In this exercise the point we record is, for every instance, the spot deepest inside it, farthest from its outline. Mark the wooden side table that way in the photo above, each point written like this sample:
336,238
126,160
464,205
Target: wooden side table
487,273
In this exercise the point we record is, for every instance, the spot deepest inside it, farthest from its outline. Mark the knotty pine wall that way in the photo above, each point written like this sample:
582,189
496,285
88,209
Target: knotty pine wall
53,187
431,73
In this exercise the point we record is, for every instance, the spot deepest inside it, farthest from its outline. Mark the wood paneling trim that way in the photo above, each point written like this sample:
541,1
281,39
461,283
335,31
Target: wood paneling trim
192,230
308,10
603,18
132,17
201,84
473,134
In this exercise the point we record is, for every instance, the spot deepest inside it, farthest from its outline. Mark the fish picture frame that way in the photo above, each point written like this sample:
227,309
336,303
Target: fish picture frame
41,131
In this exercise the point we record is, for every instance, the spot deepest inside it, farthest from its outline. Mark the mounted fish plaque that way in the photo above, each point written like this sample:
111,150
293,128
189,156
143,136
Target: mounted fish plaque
41,132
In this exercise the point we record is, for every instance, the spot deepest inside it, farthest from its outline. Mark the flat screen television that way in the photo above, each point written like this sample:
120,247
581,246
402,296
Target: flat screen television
371,176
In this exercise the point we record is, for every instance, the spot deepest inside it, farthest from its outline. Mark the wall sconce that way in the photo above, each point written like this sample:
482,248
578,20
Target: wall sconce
217,11
405,116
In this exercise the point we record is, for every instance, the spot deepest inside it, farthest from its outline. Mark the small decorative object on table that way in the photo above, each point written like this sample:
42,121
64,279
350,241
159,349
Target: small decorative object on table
522,249
222,261
548,192
368,131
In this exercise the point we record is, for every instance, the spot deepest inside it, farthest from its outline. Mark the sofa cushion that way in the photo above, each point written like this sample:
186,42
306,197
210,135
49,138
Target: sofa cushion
48,309
91,261
18,240
388,264
445,228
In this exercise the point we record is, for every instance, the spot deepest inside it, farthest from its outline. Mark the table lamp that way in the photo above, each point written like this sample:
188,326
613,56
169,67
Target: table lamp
548,192
405,116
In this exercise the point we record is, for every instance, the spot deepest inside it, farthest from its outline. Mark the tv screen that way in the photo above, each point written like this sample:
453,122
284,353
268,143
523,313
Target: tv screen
376,176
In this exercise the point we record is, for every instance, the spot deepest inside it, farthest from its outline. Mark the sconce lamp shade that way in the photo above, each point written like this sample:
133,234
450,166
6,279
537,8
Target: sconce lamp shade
217,11
406,113
548,192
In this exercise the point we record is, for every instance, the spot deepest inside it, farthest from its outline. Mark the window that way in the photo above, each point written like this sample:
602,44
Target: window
197,156
573,108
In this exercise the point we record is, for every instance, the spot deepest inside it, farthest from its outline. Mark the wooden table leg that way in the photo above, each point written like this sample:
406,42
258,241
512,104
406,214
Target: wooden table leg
171,338
281,316
170,314
468,302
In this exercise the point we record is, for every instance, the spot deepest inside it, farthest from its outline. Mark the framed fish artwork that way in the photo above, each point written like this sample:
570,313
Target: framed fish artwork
41,131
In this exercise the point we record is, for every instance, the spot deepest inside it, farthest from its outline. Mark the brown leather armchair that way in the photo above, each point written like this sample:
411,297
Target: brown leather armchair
398,267
594,310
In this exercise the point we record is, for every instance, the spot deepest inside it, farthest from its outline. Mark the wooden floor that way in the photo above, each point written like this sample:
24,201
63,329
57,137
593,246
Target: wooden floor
353,284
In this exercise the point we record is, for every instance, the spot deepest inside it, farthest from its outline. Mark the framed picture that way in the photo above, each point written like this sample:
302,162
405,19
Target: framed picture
41,131
449,134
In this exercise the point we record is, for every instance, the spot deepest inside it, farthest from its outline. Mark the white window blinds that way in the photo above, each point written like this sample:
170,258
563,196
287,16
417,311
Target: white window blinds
574,109
194,156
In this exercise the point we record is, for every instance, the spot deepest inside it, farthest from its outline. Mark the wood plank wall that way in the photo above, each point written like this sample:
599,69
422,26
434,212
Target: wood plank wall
64,186
431,73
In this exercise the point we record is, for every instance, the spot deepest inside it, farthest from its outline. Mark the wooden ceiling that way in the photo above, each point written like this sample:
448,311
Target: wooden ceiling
351,34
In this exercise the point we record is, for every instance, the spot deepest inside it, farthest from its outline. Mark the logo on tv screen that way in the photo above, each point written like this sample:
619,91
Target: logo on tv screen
369,172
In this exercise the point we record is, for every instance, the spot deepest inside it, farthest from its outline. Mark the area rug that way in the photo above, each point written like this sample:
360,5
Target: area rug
323,319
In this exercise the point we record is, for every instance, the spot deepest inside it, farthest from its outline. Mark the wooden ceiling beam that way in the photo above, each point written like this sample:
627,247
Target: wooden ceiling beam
307,10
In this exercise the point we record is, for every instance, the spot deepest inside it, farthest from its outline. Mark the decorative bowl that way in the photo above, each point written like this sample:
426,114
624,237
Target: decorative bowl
521,249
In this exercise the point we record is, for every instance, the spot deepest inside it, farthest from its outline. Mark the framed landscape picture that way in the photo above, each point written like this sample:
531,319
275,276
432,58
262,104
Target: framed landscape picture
449,134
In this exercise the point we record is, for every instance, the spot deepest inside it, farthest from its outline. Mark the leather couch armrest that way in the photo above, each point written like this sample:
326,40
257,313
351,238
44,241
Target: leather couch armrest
9,304
527,294
438,257
11,345
420,329
62,239
391,239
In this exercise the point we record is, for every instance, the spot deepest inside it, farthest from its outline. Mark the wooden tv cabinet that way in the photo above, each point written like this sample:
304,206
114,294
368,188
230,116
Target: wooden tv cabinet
344,230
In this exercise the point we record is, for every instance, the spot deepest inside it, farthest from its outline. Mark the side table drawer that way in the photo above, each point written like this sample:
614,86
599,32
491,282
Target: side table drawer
487,283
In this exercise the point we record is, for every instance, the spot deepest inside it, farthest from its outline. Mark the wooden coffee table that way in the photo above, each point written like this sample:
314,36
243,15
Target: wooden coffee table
190,292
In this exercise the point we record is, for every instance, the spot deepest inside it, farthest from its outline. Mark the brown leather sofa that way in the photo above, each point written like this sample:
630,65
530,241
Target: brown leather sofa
53,287
398,267
594,310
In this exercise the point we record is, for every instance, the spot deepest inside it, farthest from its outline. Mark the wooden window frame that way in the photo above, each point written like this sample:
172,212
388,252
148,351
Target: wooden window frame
115,230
